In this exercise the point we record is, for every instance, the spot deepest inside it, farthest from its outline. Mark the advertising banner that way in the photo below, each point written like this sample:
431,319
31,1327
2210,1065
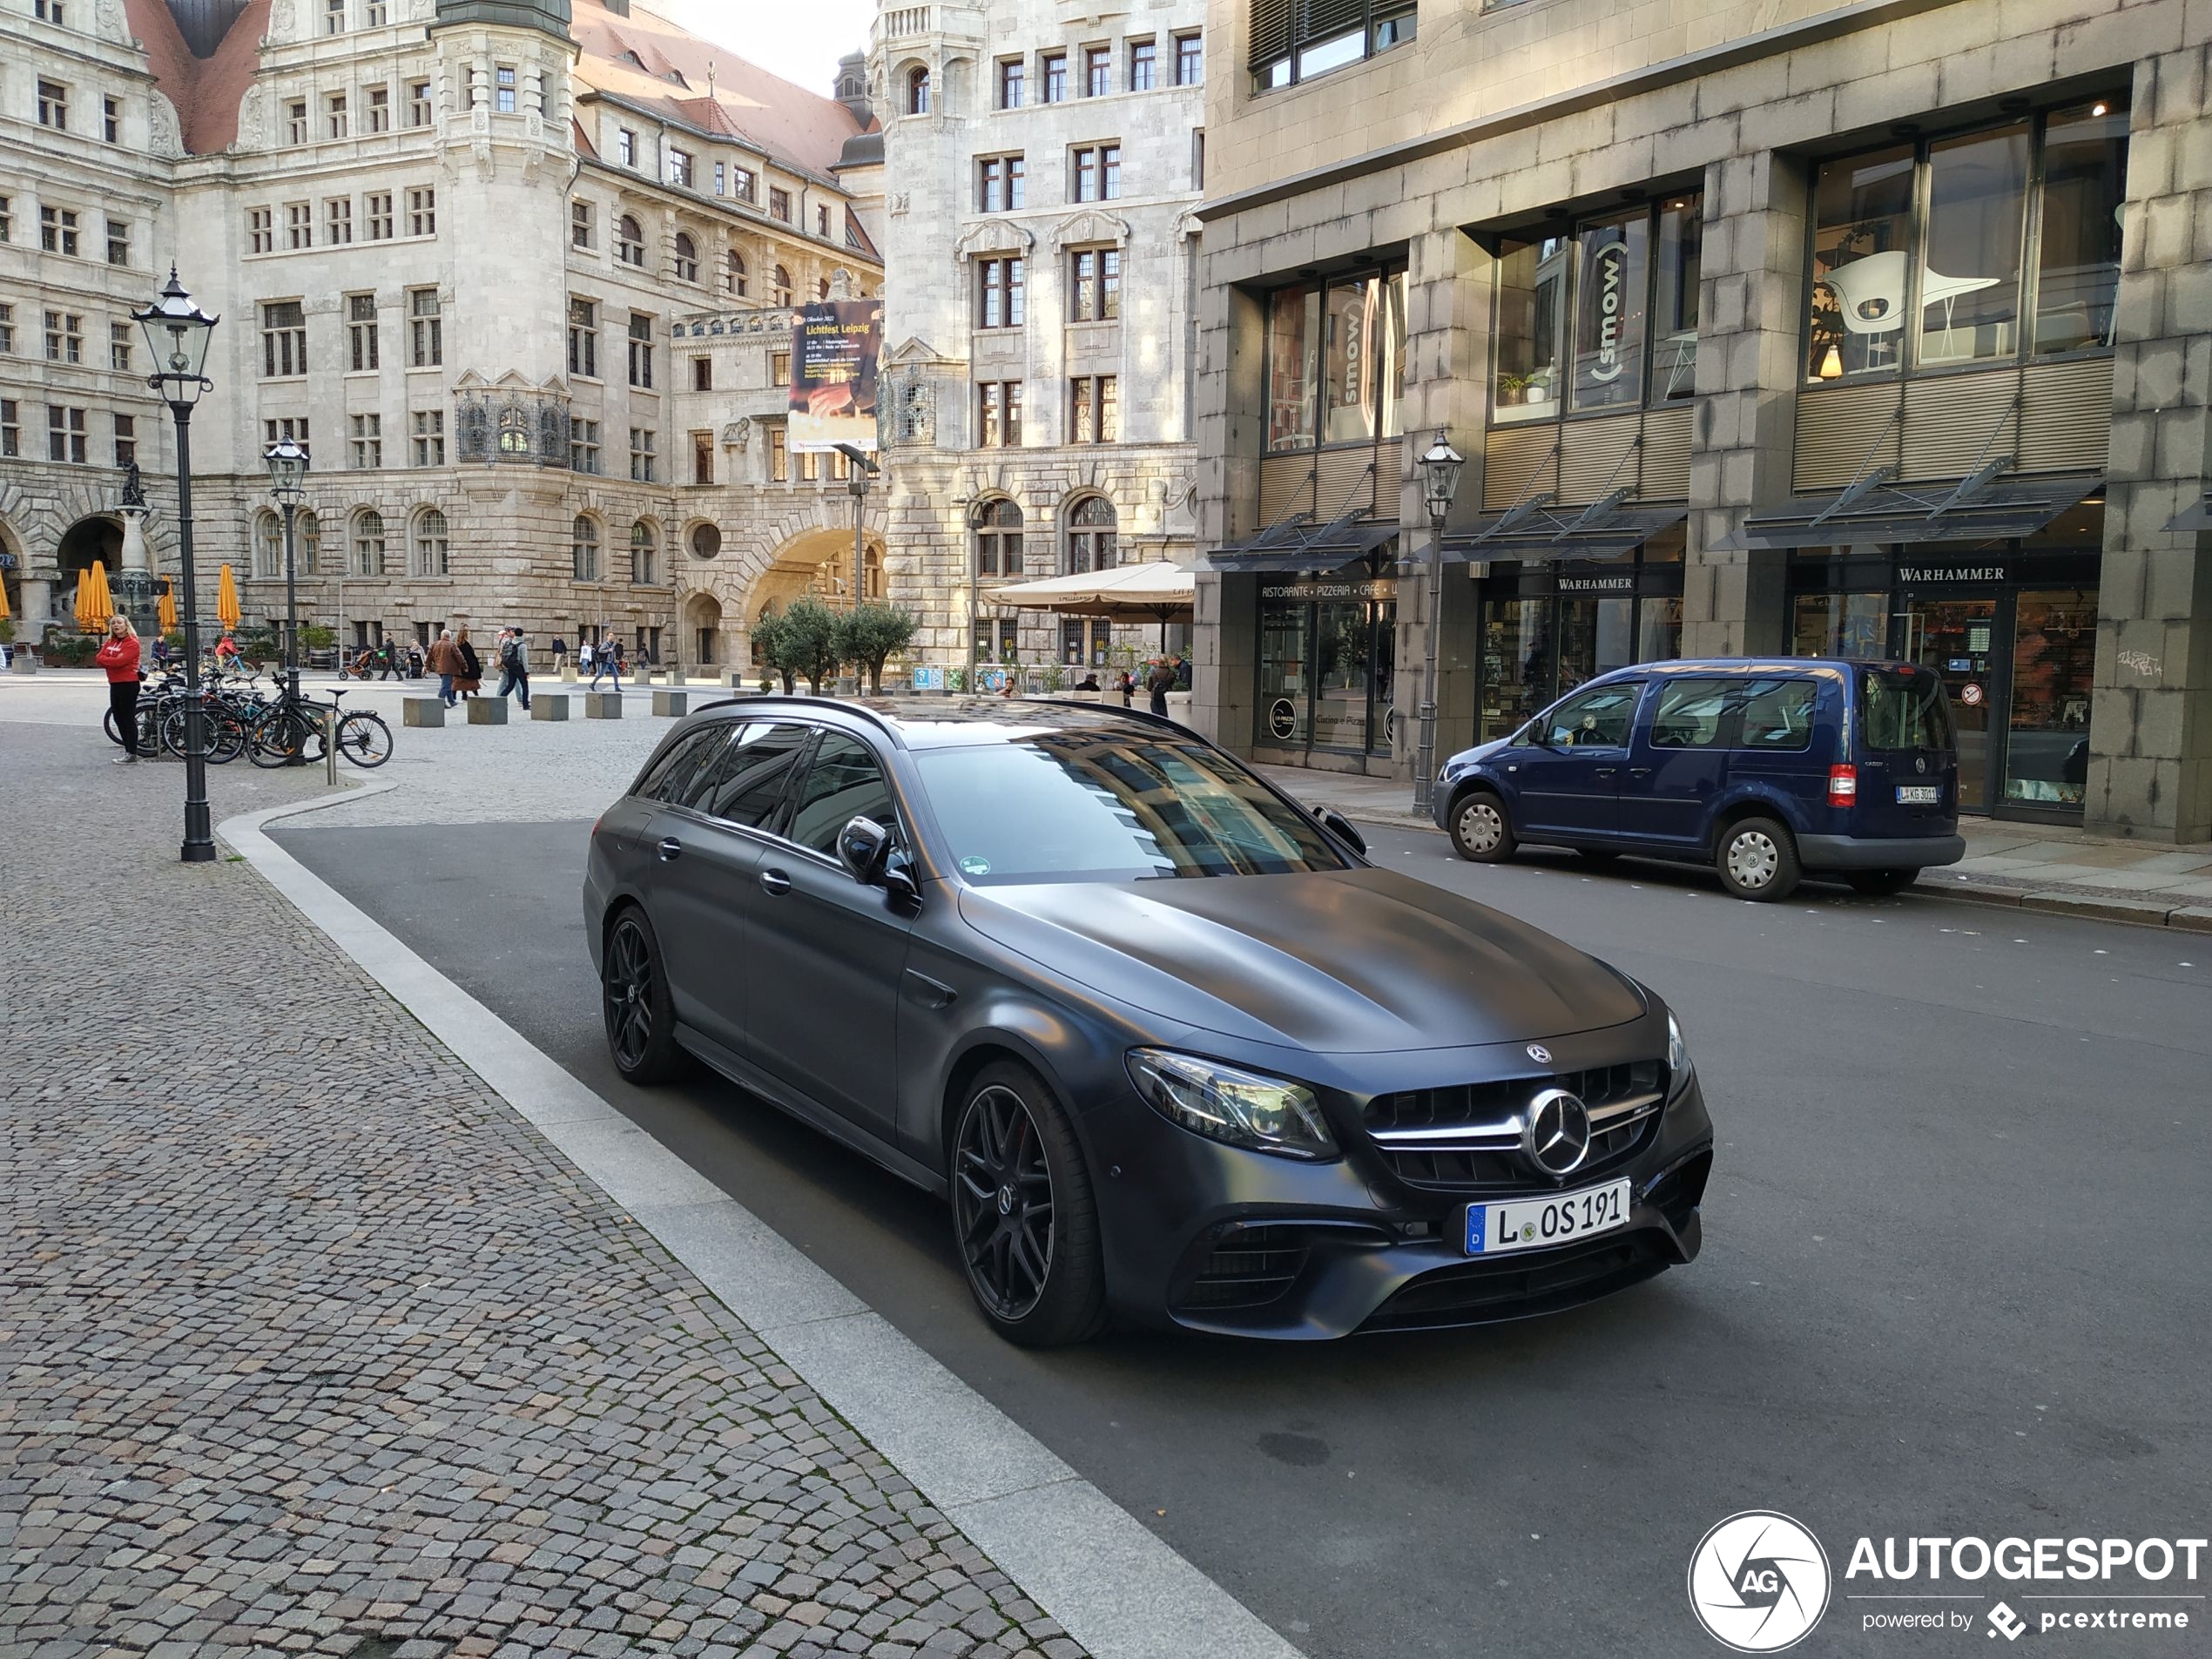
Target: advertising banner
835,344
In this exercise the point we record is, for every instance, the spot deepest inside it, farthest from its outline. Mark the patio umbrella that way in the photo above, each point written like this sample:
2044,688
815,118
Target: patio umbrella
4,612
168,603
94,602
1155,592
226,599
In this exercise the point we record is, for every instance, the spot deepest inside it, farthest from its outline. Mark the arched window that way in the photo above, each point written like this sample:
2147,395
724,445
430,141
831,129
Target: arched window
514,430
917,91
998,538
368,543
583,547
782,283
308,550
643,540
733,273
268,545
687,258
429,553
1091,535
629,241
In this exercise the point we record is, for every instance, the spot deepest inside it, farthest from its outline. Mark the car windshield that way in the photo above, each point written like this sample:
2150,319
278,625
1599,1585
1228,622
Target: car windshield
1903,708
1112,805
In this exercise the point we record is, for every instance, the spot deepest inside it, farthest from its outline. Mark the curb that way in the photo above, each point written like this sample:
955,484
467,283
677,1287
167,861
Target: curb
1114,1585
2060,902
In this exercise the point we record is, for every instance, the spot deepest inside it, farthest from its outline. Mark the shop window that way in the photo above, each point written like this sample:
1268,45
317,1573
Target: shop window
1336,362
1850,625
1601,320
1295,40
1919,250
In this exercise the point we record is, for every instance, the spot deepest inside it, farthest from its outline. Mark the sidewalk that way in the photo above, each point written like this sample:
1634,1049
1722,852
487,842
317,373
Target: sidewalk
311,1345
2034,866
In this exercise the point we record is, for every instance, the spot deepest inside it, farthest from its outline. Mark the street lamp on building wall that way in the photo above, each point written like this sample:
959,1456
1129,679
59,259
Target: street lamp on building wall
863,470
287,463
1440,465
178,335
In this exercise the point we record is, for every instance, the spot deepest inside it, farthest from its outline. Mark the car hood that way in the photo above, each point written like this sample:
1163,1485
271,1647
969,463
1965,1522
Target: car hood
1350,962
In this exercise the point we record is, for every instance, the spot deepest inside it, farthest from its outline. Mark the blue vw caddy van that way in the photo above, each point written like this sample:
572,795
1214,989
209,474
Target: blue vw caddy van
1768,769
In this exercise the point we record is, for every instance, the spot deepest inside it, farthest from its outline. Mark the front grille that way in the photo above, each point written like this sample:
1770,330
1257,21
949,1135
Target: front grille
1249,1268
1508,1288
1465,1137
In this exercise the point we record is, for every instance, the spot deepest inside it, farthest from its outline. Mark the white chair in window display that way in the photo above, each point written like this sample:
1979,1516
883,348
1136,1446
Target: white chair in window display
1870,297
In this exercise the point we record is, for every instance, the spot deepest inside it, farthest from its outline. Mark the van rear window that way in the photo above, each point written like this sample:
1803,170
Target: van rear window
1903,708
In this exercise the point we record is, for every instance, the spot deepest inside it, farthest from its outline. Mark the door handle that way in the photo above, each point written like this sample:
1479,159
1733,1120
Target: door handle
1602,771
774,882
1639,771
670,848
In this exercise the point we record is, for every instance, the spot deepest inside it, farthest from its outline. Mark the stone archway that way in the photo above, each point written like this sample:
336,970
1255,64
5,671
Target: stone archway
99,536
702,625
817,562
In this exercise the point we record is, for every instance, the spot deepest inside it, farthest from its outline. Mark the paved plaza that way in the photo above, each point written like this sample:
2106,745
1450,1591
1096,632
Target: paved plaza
311,1344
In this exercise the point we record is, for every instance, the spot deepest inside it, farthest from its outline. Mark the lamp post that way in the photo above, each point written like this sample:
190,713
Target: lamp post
178,335
287,464
1440,465
863,470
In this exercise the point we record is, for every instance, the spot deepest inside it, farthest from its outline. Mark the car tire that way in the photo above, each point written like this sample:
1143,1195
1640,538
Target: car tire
1481,832
1757,859
1011,1142
1878,883
634,998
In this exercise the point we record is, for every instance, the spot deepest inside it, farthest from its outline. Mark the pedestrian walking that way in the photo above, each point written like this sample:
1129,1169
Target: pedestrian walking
514,665
386,660
560,653
1159,682
444,661
601,662
622,664
1128,688
119,654
470,679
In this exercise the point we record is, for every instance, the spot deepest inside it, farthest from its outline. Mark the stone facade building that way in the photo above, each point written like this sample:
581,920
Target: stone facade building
1878,331
520,279
1041,167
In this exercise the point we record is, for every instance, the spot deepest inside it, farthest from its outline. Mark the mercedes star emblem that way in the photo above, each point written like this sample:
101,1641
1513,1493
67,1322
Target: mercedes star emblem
1540,1053
1558,1135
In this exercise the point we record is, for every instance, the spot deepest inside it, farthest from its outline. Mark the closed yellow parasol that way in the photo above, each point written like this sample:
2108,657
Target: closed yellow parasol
94,602
4,612
167,606
226,599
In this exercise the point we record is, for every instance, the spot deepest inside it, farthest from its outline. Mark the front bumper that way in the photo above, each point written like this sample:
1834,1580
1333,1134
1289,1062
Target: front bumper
1210,1237
1900,853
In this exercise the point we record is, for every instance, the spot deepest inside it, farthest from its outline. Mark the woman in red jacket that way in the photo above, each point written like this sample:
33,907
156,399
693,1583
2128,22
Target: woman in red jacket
119,654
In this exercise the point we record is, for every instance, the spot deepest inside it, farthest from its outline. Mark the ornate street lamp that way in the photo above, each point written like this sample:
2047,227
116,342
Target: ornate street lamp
287,464
1440,465
863,470
178,335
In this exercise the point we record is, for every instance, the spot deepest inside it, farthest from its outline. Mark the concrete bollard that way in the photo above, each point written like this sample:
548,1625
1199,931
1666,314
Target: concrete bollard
603,706
487,710
671,703
568,672
422,711
548,708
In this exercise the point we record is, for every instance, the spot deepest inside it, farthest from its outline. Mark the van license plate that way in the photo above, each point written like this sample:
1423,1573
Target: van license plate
1916,794
1531,1224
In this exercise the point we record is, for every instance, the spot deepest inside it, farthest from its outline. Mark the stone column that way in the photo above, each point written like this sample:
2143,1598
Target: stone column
1734,602
2150,731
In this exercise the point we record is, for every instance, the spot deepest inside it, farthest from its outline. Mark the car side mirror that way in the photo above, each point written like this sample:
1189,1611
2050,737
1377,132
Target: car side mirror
1340,826
862,846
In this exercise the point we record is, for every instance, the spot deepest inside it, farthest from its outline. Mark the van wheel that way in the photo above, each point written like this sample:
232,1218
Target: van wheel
1757,859
1480,831
1881,882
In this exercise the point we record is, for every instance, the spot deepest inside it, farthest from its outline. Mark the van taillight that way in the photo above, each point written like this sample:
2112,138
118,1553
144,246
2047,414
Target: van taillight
1843,785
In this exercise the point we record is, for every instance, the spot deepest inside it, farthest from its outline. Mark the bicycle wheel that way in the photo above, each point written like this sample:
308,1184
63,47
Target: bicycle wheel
225,737
278,739
364,738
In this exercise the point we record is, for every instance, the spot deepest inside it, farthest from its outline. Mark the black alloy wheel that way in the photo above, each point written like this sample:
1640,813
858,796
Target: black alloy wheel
1022,1212
641,1019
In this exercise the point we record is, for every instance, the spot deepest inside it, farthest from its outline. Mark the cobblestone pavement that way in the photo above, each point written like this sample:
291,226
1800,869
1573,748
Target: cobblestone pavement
308,1344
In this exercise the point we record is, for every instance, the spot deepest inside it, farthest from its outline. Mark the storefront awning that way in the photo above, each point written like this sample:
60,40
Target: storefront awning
1301,545
1535,532
2198,517
1987,507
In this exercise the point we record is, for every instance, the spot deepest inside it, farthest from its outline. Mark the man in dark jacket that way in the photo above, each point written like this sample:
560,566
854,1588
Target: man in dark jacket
1159,682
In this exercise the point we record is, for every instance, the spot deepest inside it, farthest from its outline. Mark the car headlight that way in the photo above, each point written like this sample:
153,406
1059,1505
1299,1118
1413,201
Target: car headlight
1225,1103
1677,1057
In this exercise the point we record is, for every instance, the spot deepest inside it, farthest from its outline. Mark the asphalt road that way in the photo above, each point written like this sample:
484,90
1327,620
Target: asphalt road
1954,1282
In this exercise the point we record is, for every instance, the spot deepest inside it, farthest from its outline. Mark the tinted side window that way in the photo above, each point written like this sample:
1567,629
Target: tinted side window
1777,714
1903,709
669,778
1692,714
1593,719
845,781
748,785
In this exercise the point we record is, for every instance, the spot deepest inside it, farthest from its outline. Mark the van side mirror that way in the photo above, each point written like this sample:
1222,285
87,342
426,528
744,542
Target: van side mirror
862,846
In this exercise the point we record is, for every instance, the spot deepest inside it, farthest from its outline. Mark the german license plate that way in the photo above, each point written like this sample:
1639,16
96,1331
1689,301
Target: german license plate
1531,1224
1916,794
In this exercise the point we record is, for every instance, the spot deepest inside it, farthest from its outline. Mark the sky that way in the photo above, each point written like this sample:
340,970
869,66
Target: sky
800,40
